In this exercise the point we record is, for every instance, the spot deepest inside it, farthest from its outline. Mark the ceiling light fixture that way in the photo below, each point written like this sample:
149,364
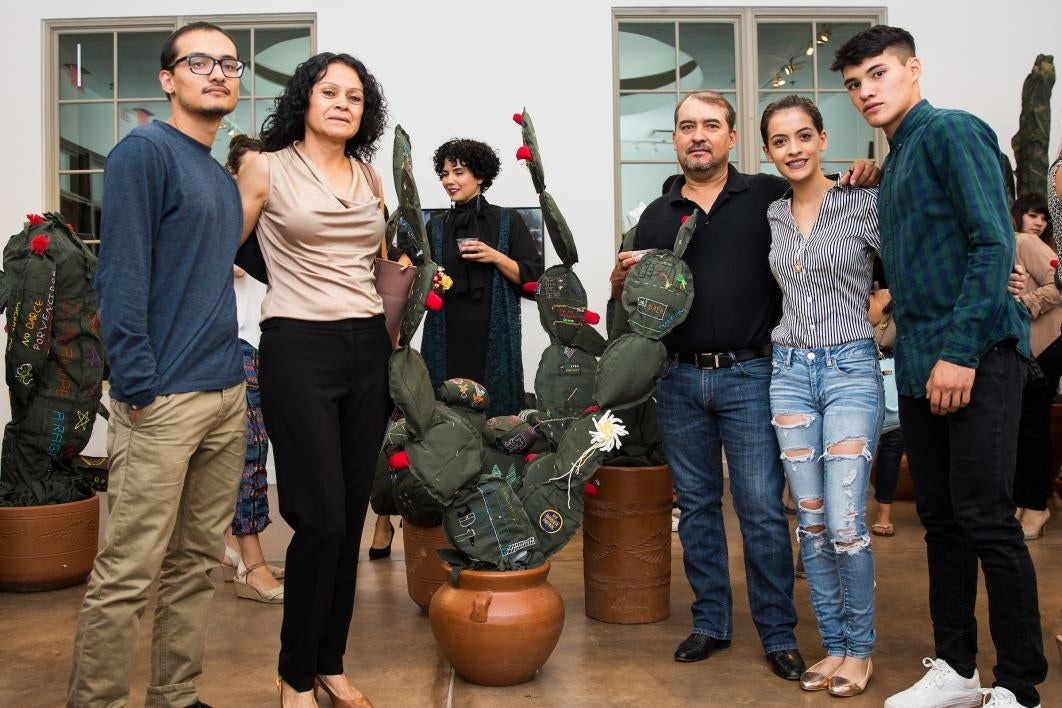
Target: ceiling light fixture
824,35
810,50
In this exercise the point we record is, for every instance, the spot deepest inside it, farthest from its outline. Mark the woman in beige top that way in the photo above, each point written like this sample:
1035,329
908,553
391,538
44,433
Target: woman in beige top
1034,473
323,355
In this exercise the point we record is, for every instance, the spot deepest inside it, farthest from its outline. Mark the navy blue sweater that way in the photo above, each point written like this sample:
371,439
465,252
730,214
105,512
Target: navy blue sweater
171,226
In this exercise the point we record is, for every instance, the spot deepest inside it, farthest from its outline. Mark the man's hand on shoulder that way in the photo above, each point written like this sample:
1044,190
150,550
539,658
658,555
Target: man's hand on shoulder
862,173
948,388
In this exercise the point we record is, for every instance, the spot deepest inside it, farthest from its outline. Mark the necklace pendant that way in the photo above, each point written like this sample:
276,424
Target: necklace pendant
798,268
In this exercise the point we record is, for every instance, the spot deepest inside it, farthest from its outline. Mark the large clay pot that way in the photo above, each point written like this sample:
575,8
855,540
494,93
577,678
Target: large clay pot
424,572
48,547
497,628
627,545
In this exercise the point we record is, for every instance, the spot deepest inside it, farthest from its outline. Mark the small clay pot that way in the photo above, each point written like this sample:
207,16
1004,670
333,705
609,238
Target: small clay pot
424,572
48,547
497,628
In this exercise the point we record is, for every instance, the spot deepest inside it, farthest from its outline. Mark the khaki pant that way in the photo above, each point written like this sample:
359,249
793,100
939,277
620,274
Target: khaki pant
172,489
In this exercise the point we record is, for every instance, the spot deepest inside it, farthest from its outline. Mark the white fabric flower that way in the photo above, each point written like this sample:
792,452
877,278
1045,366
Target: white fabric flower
608,431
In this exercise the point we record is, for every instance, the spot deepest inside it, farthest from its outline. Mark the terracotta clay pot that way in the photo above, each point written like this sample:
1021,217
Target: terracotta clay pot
627,545
424,572
497,628
48,547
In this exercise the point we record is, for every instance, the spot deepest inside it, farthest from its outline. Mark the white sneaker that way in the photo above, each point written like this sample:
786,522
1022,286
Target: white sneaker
674,520
941,687
1000,697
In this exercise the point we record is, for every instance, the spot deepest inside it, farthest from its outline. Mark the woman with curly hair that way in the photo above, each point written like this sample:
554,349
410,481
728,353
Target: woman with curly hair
323,355
489,253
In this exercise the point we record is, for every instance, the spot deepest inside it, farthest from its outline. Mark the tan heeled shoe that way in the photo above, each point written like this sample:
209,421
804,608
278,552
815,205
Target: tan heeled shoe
281,683
273,596
231,562
817,678
1034,523
845,688
361,701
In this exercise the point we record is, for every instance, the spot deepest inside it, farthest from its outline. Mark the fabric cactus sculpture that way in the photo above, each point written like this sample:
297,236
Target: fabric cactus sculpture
55,362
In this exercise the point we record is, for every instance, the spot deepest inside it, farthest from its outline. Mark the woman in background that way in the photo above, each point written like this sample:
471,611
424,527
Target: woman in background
490,254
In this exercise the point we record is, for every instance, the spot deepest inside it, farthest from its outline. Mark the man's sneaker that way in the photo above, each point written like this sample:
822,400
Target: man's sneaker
1000,697
674,519
941,687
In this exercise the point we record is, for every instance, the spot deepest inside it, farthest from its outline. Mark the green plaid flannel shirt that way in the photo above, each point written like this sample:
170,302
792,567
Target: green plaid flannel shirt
947,244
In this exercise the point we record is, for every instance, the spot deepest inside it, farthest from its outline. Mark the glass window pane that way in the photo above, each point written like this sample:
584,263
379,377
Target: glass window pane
263,108
646,123
80,197
138,64
829,37
277,53
86,65
87,130
137,113
706,56
641,184
782,57
235,123
849,136
646,56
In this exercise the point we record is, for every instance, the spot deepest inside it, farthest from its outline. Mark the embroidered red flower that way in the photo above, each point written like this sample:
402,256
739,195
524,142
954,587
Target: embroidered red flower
591,317
590,489
399,460
35,219
38,244
433,301
524,153
530,288
684,219
518,118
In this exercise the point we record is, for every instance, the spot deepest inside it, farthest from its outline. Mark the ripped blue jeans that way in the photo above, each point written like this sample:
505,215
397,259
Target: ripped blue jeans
827,407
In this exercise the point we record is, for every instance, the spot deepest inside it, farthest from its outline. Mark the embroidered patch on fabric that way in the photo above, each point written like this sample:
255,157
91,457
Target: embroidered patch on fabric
571,369
652,308
550,521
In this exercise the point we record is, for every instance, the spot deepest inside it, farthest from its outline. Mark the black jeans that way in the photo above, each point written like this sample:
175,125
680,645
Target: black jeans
325,402
1033,475
890,454
962,466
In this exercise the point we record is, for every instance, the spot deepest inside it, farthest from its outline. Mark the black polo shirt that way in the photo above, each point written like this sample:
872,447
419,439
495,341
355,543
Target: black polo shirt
736,301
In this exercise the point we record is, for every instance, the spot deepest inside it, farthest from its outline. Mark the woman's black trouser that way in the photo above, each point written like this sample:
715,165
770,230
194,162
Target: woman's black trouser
1033,475
325,402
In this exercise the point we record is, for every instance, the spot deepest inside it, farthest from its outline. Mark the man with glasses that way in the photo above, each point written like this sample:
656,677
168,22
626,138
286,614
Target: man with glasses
171,226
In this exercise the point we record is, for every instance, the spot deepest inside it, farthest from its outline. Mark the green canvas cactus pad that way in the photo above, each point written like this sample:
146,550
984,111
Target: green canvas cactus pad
382,497
534,166
507,467
561,301
463,393
574,454
447,456
559,234
410,388
554,518
510,434
539,471
628,371
418,294
590,340
564,386
412,500
658,294
488,524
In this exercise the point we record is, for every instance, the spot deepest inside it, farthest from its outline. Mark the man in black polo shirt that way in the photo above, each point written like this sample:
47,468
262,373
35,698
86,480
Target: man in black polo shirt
715,391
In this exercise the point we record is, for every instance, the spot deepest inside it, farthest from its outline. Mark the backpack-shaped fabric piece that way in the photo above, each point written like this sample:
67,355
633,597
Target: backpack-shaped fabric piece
628,371
507,467
658,292
561,301
488,524
564,386
410,388
54,363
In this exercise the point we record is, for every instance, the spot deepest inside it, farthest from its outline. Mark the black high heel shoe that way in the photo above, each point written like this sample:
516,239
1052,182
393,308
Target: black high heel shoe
379,553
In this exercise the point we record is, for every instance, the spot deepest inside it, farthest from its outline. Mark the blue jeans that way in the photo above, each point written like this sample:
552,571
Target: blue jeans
700,411
820,400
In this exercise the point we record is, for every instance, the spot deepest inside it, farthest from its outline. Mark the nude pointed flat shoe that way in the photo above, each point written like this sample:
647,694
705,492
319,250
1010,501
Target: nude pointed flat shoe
846,688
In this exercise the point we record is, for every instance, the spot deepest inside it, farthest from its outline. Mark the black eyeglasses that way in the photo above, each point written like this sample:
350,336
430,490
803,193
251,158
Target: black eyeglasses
203,64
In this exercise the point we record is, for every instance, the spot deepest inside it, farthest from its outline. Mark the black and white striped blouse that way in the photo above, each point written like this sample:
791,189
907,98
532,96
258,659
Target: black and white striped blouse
826,277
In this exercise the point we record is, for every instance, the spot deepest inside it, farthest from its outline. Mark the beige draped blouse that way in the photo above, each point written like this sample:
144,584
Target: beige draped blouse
318,246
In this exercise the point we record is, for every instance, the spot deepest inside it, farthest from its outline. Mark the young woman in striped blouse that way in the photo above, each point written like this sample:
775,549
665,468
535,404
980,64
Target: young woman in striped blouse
826,390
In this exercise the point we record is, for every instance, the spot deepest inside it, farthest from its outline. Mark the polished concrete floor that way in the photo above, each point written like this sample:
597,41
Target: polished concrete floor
392,656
